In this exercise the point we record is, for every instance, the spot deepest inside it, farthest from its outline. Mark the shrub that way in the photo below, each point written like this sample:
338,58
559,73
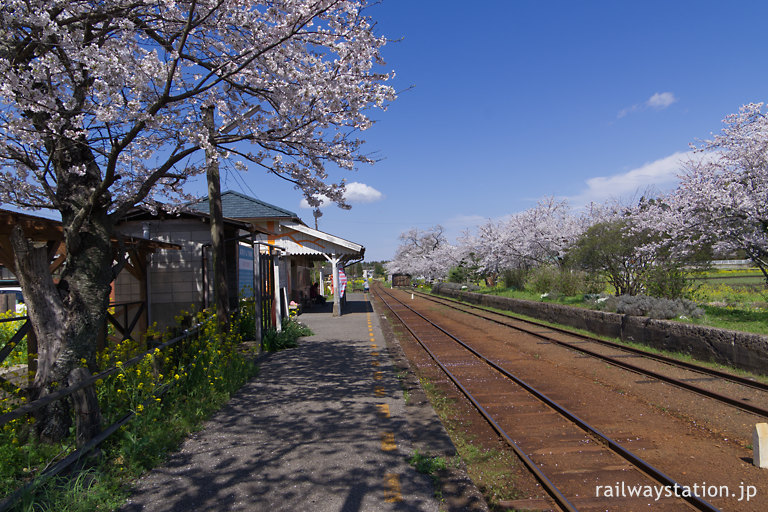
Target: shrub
515,278
437,287
247,319
543,279
287,338
653,307
668,281
457,275
564,281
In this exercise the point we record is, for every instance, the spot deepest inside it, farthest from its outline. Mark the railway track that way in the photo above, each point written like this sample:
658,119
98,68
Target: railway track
743,393
572,459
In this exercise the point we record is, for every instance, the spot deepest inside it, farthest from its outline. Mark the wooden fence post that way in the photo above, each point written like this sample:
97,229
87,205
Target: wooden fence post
5,302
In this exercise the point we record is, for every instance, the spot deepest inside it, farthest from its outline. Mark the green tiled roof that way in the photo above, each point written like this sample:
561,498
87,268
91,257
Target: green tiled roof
240,206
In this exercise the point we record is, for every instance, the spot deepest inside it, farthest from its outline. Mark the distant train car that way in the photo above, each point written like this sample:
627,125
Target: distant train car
403,280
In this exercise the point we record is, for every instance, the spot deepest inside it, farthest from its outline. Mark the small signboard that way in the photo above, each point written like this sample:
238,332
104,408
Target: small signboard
245,270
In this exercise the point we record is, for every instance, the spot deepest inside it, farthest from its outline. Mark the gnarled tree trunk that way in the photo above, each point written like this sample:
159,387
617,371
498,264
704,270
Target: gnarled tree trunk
67,316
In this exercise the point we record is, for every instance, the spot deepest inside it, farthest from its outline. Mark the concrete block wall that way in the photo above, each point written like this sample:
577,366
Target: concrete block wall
733,348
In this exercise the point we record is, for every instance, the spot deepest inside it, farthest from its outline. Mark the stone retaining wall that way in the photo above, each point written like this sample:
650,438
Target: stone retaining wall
741,350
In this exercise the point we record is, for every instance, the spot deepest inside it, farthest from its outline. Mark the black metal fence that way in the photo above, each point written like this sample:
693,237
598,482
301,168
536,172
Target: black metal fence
78,455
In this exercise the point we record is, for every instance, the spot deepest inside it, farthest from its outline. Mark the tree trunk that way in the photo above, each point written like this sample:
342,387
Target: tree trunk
220,288
66,317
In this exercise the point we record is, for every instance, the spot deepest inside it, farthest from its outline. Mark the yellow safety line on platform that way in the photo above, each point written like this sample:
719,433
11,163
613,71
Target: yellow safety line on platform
388,443
393,482
383,409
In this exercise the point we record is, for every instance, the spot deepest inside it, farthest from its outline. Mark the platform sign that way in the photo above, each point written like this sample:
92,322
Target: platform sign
245,270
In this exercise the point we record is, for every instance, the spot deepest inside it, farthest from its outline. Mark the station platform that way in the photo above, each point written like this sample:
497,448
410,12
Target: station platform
323,427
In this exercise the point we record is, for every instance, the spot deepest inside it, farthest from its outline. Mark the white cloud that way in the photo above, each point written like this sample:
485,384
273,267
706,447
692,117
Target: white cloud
658,101
354,193
362,193
661,100
661,174
623,112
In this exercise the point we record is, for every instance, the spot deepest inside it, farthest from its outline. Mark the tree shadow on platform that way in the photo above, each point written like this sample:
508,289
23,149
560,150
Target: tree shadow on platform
306,431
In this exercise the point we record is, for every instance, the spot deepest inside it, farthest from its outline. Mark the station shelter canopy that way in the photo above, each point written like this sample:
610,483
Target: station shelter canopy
300,240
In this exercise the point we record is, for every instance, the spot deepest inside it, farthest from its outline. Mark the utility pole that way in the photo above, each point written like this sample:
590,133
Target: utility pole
220,291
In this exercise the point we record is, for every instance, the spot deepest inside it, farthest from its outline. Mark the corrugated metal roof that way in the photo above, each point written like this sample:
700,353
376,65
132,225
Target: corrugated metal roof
240,206
298,239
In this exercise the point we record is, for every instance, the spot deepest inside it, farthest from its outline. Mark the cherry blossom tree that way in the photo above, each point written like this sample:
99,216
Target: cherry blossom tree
536,236
542,234
101,108
486,248
424,254
721,199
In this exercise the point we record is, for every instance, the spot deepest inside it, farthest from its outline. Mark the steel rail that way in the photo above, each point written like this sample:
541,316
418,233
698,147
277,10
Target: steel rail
664,359
638,462
551,489
735,402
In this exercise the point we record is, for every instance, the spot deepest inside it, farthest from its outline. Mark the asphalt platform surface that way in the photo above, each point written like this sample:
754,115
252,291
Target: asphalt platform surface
323,427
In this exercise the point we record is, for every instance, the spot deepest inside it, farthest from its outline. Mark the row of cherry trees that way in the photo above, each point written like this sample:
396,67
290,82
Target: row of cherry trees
719,208
537,236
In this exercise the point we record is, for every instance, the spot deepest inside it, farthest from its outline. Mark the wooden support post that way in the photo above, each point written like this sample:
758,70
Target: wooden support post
278,303
220,290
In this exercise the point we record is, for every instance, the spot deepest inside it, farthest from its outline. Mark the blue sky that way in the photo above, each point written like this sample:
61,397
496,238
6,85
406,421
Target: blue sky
505,102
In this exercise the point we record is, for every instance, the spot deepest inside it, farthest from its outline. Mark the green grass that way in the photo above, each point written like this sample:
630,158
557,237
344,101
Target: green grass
427,464
488,468
745,320
752,281
572,300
